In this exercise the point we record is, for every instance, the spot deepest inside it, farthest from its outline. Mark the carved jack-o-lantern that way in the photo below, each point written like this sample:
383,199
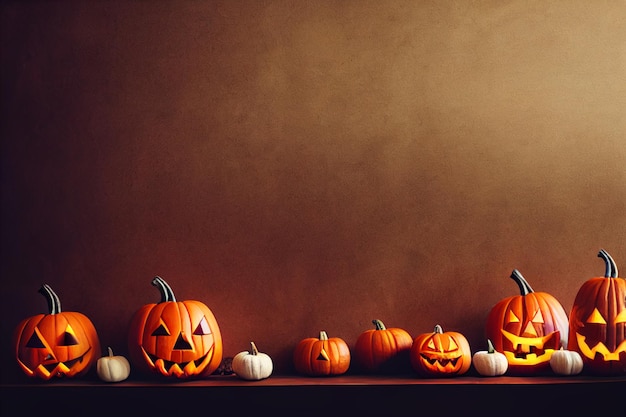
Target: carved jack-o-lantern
598,322
175,338
441,353
527,328
58,344
322,356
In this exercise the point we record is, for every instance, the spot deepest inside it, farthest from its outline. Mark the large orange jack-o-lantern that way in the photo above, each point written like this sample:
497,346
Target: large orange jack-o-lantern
58,344
527,328
175,338
441,354
598,322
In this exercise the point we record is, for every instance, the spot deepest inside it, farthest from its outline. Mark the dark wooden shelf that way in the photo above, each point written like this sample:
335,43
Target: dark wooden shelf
307,396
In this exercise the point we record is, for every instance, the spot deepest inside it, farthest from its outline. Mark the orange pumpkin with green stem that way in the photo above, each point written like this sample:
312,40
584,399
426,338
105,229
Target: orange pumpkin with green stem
58,344
598,322
322,356
527,328
383,349
172,338
441,354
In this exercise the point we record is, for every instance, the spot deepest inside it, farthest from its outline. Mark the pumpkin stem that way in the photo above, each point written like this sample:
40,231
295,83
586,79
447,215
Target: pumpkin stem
253,349
524,286
490,348
166,291
323,335
54,304
110,351
438,329
611,266
379,324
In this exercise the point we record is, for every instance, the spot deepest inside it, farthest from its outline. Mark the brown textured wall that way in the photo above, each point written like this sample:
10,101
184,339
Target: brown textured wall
308,165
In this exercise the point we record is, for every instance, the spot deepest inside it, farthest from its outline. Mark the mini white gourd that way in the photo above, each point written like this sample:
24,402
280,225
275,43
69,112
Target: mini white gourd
490,362
566,362
113,368
252,365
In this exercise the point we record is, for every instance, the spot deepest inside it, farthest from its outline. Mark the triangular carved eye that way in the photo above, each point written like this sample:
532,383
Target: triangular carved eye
596,318
453,346
431,344
323,356
513,318
203,328
69,338
621,317
161,330
35,341
538,317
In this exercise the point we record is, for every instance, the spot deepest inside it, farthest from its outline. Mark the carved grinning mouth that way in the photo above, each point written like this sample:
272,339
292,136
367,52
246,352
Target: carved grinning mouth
531,348
60,367
599,349
442,362
167,365
176,368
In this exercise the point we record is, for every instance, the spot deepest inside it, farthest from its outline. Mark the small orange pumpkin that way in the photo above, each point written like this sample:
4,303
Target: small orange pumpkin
382,349
175,338
322,356
58,344
441,353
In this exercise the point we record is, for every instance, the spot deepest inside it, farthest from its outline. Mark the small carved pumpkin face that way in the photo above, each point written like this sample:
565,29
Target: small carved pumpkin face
59,344
441,353
598,322
175,338
322,356
527,328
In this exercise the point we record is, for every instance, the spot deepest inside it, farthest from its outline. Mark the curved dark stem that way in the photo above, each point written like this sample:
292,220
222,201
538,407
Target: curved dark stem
379,324
524,286
54,304
166,291
438,329
611,266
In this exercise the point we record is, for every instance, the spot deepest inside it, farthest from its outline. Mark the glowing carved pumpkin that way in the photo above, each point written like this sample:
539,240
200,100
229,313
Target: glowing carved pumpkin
175,338
598,322
441,353
322,356
58,344
527,328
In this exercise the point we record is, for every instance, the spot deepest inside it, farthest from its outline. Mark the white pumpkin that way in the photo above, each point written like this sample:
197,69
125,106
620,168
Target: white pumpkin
252,365
113,368
566,362
490,362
